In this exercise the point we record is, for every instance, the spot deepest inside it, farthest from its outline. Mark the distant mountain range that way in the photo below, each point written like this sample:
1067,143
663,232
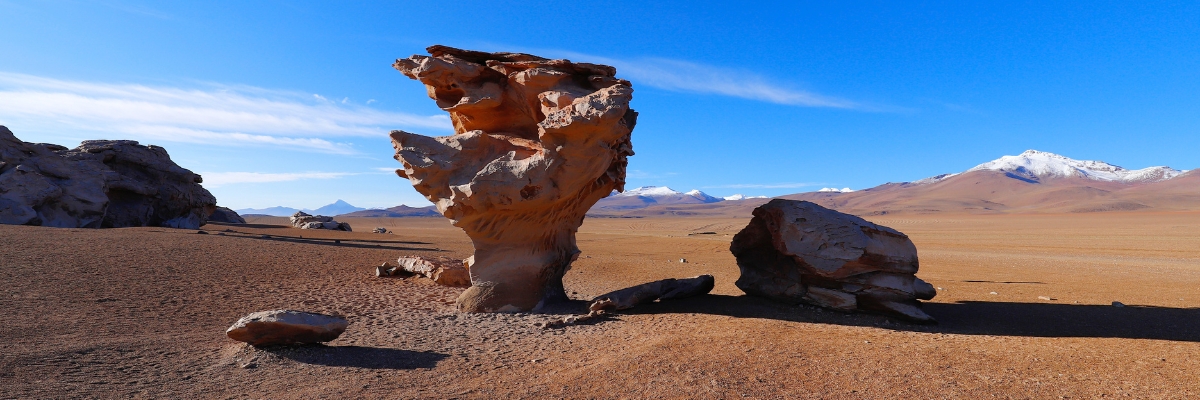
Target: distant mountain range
1033,181
397,212
336,208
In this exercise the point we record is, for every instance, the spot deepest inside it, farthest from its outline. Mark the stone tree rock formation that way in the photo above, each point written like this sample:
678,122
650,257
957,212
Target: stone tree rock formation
799,252
100,184
537,142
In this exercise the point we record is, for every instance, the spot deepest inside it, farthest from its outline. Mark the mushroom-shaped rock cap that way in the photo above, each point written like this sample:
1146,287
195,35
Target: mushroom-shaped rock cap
282,327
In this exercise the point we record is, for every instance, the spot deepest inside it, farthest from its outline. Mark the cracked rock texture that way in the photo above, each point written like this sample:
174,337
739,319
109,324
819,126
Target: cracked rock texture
537,142
799,252
100,184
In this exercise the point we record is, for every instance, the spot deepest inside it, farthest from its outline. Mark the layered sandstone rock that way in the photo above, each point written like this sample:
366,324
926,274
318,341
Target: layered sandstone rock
799,252
100,184
442,271
285,327
303,220
537,142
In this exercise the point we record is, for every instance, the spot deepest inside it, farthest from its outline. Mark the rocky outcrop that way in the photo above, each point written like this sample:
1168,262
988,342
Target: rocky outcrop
226,215
537,142
442,271
303,220
799,252
100,184
665,289
284,327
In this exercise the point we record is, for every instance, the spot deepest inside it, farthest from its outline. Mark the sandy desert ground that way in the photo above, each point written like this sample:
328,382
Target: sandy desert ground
141,313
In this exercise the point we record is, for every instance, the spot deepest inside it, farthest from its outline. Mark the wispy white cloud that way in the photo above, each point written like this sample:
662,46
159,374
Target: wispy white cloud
214,179
765,185
215,114
687,76
639,174
136,9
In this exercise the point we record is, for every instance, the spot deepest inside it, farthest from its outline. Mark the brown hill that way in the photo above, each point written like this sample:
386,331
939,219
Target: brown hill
975,192
399,211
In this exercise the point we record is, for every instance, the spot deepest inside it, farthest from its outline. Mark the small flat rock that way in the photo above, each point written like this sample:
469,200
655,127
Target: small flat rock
283,327
1046,298
1118,304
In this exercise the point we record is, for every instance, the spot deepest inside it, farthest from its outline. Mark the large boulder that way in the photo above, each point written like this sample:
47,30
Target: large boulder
537,142
100,184
303,220
226,215
799,252
284,327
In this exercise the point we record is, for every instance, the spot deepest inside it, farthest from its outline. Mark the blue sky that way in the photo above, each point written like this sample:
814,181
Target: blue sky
289,102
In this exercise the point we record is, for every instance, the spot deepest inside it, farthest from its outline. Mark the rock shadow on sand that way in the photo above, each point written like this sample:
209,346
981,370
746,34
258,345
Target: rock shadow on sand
970,318
358,356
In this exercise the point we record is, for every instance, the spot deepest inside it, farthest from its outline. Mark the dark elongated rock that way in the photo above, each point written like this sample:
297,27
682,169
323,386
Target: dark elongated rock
284,327
100,184
665,289
799,252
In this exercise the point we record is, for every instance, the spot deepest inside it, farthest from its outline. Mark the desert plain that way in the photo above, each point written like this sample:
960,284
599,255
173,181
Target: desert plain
1025,310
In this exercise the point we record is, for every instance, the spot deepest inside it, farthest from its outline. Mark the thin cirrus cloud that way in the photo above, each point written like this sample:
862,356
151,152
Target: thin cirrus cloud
216,179
227,115
766,185
687,76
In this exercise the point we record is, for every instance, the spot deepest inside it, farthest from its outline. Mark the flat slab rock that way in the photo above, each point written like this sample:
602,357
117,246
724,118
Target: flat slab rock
444,272
665,289
284,327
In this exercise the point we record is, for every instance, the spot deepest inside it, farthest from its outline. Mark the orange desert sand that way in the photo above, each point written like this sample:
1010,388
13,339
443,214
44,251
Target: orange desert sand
1024,310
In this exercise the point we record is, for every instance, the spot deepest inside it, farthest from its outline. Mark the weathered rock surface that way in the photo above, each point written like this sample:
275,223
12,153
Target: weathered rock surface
100,184
442,271
799,252
283,327
226,215
303,220
537,142
665,289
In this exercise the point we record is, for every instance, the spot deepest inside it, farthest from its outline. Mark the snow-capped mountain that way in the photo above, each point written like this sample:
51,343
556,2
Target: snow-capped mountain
1035,165
740,196
703,196
836,190
933,179
651,195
